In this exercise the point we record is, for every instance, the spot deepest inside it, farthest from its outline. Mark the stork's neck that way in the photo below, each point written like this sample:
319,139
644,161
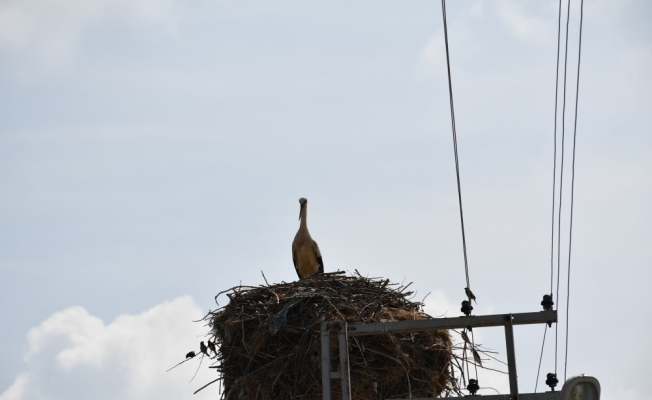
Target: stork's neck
304,218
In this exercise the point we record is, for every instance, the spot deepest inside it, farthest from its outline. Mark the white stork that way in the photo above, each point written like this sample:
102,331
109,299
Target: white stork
305,252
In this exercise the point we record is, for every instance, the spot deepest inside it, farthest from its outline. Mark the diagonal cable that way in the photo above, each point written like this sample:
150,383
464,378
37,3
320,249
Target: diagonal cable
457,163
457,167
536,384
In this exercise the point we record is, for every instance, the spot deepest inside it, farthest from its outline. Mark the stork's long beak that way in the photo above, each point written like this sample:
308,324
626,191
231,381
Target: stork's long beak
300,211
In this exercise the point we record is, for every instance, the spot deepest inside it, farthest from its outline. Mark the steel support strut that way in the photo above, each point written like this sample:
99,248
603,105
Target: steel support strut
511,357
339,328
345,377
325,361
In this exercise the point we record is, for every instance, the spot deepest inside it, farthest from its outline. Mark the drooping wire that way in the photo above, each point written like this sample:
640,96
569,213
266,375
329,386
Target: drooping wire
554,187
561,177
554,163
536,385
475,363
468,373
457,163
570,233
457,174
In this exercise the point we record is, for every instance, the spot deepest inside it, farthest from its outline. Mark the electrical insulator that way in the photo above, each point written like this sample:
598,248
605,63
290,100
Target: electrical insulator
466,308
473,386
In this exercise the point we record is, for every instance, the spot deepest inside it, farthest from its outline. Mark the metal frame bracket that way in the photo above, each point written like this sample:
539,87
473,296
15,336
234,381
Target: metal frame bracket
344,330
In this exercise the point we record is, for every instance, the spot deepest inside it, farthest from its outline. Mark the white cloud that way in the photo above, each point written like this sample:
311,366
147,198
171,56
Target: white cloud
17,390
437,305
73,354
49,33
525,27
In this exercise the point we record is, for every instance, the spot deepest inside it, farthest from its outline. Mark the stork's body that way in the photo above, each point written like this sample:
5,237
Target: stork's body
305,252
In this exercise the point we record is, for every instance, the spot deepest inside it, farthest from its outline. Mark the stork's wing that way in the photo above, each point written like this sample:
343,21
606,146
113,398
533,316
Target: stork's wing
294,260
315,248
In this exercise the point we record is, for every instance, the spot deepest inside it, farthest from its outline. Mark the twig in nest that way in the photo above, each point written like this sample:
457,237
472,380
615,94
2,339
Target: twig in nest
486,353
209,383
188,358
361,350
407,373
265,278
406,286
200,360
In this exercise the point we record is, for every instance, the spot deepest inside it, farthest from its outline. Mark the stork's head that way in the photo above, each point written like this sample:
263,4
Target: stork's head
304,202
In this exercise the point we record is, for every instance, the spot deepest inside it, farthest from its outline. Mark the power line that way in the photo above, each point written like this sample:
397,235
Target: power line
475,364
554,187
554,162
570,233
457,174
536,384
561,175
457,163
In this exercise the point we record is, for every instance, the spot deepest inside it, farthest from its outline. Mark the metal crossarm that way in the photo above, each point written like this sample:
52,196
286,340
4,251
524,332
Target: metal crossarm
343,331
522,396
474,321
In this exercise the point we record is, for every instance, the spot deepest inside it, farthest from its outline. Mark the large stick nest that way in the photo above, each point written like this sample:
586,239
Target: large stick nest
262,355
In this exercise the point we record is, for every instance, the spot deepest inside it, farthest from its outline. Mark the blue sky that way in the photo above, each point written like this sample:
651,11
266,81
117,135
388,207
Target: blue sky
152,153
